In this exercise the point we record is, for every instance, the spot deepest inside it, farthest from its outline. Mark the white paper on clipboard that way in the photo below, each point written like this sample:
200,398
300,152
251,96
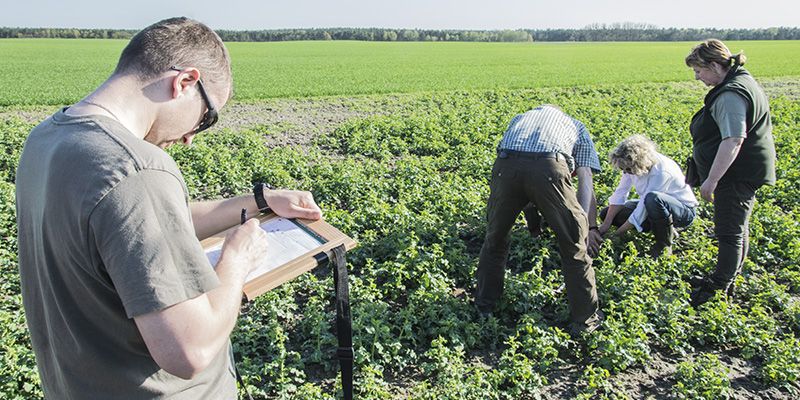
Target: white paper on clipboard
286,240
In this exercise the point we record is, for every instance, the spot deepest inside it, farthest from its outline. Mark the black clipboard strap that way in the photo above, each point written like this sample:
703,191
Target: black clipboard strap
241,382
344,330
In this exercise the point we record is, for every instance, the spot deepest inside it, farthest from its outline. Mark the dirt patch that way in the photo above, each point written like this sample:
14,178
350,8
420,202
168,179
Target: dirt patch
654,380
28,114
293,122
563,382
787,86
744,382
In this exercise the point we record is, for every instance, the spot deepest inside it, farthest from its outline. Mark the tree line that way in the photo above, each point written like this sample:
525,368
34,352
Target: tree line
620,32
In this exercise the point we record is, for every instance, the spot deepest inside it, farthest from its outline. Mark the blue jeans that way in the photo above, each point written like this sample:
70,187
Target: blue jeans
659,206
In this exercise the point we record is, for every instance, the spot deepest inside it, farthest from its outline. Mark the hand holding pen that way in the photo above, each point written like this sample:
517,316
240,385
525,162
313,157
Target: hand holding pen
246,245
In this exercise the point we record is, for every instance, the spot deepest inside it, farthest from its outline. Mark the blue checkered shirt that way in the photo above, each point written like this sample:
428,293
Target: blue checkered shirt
547,129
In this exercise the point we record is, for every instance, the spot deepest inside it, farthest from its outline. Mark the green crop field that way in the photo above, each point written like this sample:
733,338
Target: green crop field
53,71
407,176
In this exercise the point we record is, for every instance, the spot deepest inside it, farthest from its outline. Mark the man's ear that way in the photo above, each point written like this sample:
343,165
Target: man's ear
185,79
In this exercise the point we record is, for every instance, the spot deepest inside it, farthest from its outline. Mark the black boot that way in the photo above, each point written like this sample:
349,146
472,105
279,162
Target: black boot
701,296
663,233
704,289
697,281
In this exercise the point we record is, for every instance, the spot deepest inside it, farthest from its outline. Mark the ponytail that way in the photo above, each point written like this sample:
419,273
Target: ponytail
738,59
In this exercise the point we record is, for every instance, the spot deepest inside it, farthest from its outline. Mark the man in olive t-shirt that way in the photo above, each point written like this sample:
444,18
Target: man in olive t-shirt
119,297
99,246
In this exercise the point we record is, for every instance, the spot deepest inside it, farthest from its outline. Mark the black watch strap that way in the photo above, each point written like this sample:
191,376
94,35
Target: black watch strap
258,192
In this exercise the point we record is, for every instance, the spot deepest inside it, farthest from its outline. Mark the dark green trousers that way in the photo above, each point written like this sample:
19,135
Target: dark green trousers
545,182
733,204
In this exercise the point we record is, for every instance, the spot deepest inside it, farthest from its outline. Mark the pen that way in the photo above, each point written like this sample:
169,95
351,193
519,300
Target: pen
244,215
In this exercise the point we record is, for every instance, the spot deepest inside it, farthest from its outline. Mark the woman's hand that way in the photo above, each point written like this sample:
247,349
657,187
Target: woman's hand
707,190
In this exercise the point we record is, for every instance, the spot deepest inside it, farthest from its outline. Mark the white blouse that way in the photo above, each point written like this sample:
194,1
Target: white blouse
665,177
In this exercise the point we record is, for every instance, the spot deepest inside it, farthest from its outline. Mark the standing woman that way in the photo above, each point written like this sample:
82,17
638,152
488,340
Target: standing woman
734,153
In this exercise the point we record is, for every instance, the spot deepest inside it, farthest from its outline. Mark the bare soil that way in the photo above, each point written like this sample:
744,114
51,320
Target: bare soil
654,380
293,122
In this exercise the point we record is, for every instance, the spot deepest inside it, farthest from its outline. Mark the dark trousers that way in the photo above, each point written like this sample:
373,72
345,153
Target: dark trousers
733,204
545,182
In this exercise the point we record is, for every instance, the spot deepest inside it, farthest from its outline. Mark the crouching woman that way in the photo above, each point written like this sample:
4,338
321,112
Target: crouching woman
665,200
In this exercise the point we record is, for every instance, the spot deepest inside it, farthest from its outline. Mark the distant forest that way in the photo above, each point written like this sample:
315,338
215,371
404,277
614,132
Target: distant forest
620,32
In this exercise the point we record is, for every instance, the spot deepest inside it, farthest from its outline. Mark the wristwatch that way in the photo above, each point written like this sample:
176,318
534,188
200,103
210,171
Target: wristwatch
258,192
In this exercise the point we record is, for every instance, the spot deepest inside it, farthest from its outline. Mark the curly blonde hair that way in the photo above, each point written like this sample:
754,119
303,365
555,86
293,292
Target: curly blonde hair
635,155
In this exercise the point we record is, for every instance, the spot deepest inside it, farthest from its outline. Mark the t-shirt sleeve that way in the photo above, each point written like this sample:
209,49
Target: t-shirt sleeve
584,152
730,112
146,242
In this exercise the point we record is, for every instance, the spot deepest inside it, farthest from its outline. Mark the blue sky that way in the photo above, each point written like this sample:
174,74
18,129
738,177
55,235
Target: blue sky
431,14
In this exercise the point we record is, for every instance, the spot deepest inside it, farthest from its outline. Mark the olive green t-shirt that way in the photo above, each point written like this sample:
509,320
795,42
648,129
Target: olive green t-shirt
729,111
105,234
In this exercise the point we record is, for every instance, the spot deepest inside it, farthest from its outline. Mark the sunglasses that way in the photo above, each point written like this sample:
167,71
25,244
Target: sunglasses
210,117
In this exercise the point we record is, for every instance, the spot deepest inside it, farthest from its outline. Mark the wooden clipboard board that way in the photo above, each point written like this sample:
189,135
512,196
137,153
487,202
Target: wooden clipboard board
328,236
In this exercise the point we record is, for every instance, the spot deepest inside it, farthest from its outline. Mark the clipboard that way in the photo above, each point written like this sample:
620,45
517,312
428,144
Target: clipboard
299,246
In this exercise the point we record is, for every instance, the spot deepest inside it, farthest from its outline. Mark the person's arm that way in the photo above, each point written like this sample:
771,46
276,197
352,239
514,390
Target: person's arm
726,154
589,204
586,193
587,162
184,338
613,210
616,201
210,217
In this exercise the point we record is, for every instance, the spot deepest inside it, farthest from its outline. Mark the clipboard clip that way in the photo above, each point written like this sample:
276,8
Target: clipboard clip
322,258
